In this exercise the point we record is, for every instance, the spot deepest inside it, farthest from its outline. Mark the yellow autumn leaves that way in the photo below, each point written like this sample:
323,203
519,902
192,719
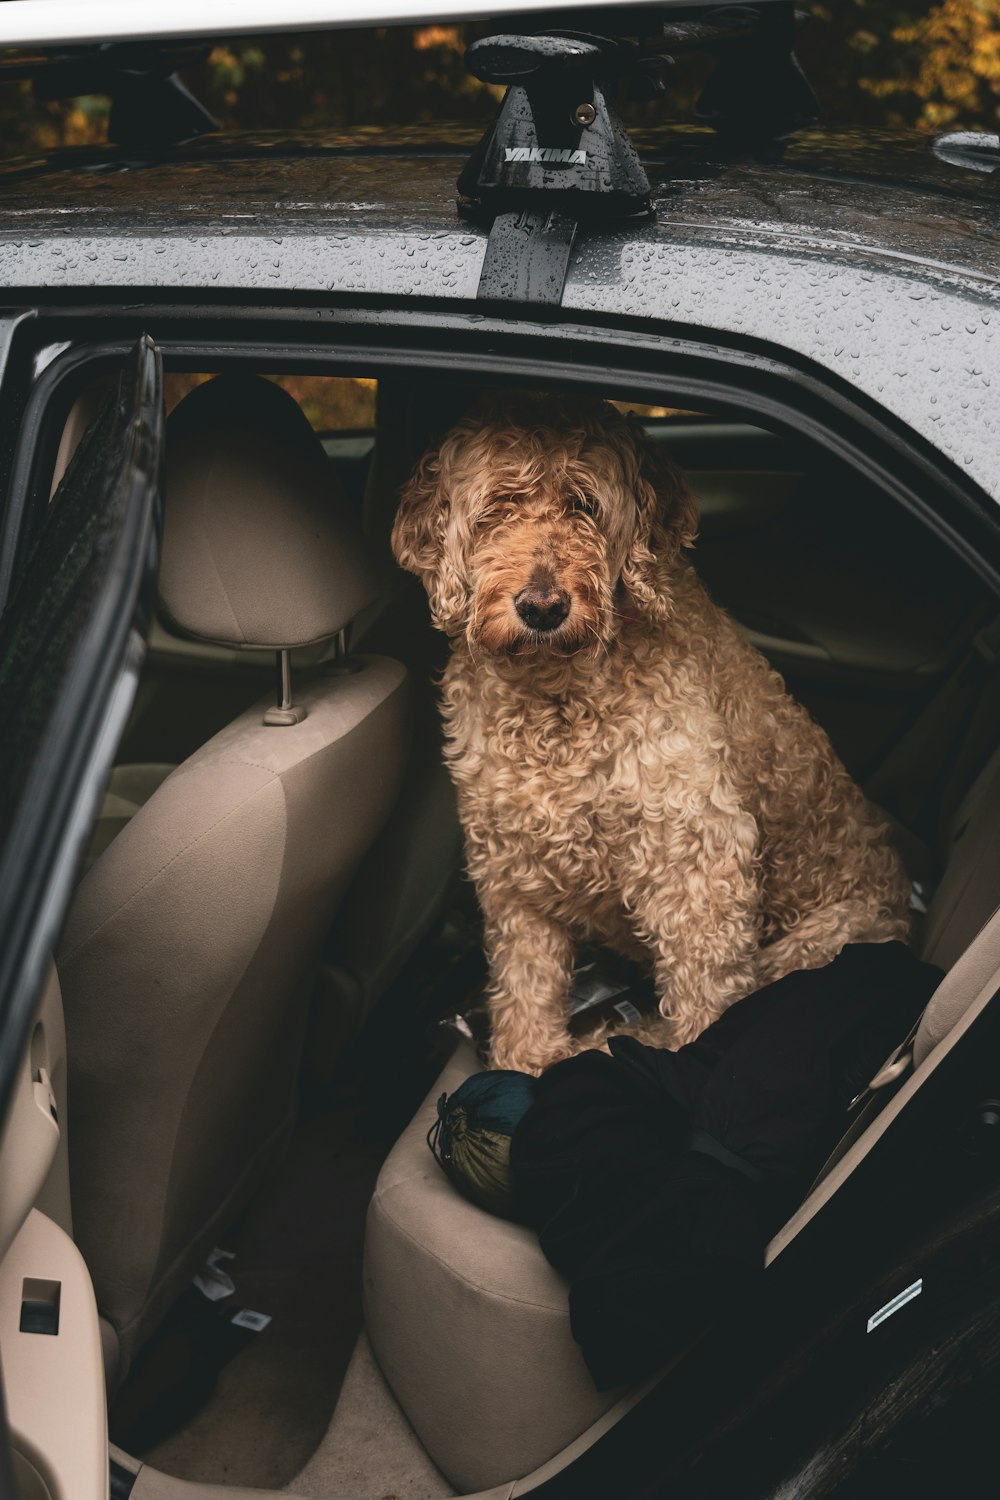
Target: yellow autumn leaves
952,64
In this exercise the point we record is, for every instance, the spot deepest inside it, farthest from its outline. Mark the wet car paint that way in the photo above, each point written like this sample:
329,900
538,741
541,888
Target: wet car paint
868,257
927,351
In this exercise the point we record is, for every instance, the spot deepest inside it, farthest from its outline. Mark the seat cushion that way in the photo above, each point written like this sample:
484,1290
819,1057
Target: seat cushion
468,1321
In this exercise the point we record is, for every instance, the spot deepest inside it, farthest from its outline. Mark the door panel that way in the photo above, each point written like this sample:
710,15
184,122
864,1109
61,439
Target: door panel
53,1370
34,1162
71,643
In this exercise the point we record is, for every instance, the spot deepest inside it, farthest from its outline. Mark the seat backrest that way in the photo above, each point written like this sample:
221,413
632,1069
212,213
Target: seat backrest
969,890
409,417
961,933
188,956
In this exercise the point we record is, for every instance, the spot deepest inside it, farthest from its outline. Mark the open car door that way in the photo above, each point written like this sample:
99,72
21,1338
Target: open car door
72,640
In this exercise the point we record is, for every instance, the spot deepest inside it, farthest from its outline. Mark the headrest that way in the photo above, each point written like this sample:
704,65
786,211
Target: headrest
409,417
260,550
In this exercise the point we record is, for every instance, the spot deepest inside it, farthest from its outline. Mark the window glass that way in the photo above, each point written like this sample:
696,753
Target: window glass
332,403
654,413
56,597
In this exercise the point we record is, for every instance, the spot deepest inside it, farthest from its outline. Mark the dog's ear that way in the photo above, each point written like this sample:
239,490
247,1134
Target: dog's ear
421,544
667,522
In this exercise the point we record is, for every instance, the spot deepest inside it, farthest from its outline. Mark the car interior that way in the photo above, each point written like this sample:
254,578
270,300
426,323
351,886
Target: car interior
271,956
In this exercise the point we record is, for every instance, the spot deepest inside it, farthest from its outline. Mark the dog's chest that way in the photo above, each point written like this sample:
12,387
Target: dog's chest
554,776
568,785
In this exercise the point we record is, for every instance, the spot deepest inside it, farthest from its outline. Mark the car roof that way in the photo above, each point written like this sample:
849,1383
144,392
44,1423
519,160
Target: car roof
867,254
868,194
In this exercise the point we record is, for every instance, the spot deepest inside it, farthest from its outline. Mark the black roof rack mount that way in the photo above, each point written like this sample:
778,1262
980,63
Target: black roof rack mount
556,133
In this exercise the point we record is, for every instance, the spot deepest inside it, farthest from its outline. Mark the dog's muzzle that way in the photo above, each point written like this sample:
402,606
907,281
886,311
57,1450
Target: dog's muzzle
542,608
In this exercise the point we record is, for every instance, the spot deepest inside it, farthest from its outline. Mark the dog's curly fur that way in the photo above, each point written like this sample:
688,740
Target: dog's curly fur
638,776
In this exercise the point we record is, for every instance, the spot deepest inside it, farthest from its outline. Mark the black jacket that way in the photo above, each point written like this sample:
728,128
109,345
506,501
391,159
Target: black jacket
655,1179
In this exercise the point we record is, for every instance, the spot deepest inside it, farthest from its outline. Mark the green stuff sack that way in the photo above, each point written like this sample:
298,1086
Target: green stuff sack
471,1136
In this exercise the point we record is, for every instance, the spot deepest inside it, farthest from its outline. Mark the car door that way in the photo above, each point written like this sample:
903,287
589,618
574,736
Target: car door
71,643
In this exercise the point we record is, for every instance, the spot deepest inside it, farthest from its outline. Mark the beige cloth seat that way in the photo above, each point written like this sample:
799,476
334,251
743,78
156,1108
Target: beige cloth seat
969,890
467,1320
189,952
129,788
405,880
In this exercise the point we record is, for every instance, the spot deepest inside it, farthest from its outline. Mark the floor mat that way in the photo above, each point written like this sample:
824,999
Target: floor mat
370,1451
250,1408
176,1372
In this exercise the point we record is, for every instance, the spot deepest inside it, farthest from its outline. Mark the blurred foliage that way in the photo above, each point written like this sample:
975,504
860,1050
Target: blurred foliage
874,64
956,71
335,403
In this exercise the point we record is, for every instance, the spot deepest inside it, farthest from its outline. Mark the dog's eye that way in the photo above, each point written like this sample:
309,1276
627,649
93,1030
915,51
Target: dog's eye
584,505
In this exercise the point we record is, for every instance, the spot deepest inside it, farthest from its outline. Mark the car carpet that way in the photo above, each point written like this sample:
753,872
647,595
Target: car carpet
370,1450
212,1404
215,1404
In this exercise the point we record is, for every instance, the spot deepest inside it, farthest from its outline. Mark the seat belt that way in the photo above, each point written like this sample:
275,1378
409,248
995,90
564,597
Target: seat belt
898,1066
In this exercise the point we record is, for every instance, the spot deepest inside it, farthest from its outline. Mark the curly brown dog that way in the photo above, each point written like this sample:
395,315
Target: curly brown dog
630,771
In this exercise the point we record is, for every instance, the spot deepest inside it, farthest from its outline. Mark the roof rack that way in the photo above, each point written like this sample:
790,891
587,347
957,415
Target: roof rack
150,106
556,133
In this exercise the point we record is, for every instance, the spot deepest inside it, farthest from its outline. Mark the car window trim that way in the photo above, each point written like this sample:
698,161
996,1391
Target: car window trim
736,378
87,722
46,408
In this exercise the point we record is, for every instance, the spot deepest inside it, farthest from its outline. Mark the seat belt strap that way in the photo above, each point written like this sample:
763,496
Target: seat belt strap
897,1067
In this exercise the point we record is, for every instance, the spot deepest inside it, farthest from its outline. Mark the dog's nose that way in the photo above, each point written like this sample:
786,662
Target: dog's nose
542,608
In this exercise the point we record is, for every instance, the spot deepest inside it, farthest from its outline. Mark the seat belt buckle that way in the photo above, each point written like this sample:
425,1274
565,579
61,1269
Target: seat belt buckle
895,1065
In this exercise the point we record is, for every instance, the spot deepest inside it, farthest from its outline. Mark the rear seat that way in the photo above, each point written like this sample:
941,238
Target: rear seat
468,1321
470,1324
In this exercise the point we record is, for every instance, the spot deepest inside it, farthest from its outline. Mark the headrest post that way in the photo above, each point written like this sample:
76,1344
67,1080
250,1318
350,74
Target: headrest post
342,663
284,712
284,665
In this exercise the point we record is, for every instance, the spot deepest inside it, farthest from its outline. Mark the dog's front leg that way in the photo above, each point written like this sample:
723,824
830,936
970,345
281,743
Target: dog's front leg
531,964
700,973
699,915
